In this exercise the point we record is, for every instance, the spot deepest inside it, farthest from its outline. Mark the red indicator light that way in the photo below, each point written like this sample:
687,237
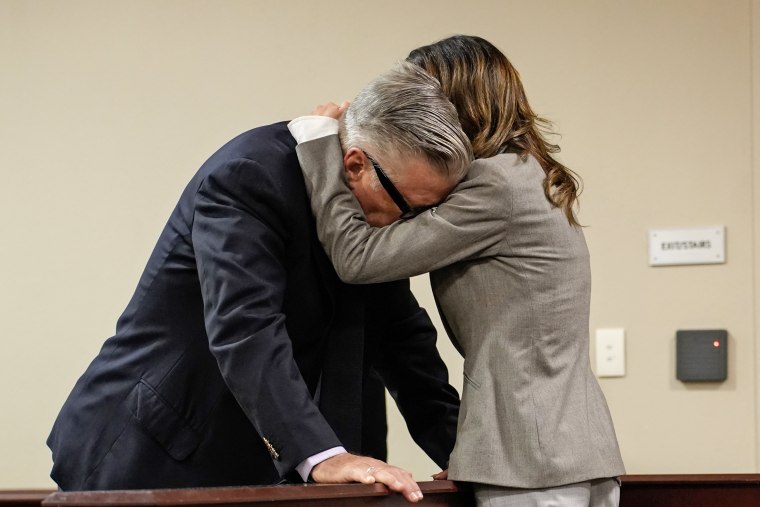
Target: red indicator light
716,343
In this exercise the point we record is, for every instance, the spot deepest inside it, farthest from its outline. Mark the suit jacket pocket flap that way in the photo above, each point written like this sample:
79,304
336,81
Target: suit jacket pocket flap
162,422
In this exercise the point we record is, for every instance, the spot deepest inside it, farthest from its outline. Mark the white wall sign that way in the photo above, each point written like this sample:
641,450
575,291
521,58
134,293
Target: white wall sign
699,245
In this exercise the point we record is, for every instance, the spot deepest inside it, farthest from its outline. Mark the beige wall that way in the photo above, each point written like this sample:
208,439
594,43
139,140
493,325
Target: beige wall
107,108
755,206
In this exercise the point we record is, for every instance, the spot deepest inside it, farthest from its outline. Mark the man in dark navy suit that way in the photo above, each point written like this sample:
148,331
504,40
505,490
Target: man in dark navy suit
241,358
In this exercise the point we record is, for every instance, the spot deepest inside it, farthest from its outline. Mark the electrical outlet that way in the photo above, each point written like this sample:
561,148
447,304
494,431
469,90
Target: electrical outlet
610,352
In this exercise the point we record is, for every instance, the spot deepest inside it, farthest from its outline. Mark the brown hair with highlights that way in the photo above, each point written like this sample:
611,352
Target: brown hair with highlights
494,111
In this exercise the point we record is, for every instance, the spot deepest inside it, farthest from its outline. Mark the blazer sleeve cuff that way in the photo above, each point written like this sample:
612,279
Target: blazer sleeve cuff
308,128
304,468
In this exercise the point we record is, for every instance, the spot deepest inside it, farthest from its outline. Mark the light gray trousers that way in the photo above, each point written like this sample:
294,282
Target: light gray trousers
596,493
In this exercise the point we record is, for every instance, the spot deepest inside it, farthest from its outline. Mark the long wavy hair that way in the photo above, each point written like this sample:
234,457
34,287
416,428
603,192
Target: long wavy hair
494,111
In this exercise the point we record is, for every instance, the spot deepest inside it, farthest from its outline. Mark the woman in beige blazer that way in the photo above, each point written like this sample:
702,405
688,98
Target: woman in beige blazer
510,272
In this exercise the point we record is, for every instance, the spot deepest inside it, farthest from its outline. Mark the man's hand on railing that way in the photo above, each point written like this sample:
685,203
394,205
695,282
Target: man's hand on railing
352,468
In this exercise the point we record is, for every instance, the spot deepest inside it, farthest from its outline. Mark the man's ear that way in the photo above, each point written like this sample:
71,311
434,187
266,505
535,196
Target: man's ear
354,165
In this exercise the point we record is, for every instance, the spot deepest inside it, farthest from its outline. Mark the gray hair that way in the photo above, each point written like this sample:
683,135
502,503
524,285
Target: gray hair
404,112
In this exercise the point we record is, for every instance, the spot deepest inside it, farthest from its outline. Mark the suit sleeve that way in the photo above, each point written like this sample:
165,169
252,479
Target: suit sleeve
403,341
469,224
239,236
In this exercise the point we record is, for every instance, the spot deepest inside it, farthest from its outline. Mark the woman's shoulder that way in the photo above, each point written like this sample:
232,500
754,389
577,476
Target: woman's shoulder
504,168
506,160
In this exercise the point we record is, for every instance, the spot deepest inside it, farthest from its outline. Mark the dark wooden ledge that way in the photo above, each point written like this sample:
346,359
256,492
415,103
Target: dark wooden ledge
702,479
436,493
705,490
23,497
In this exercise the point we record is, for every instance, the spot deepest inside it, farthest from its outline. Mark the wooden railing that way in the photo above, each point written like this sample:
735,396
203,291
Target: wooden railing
22,497
719,490
712,490
437,493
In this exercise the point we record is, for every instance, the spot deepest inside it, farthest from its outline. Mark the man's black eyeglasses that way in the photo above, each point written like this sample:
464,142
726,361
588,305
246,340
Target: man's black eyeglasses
406,210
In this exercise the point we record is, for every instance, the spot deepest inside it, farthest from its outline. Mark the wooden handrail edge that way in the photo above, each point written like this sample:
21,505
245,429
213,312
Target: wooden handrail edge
210,496
691,479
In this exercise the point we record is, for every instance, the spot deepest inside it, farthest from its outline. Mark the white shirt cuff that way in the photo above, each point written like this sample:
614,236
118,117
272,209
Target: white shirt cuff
308,128
304,468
